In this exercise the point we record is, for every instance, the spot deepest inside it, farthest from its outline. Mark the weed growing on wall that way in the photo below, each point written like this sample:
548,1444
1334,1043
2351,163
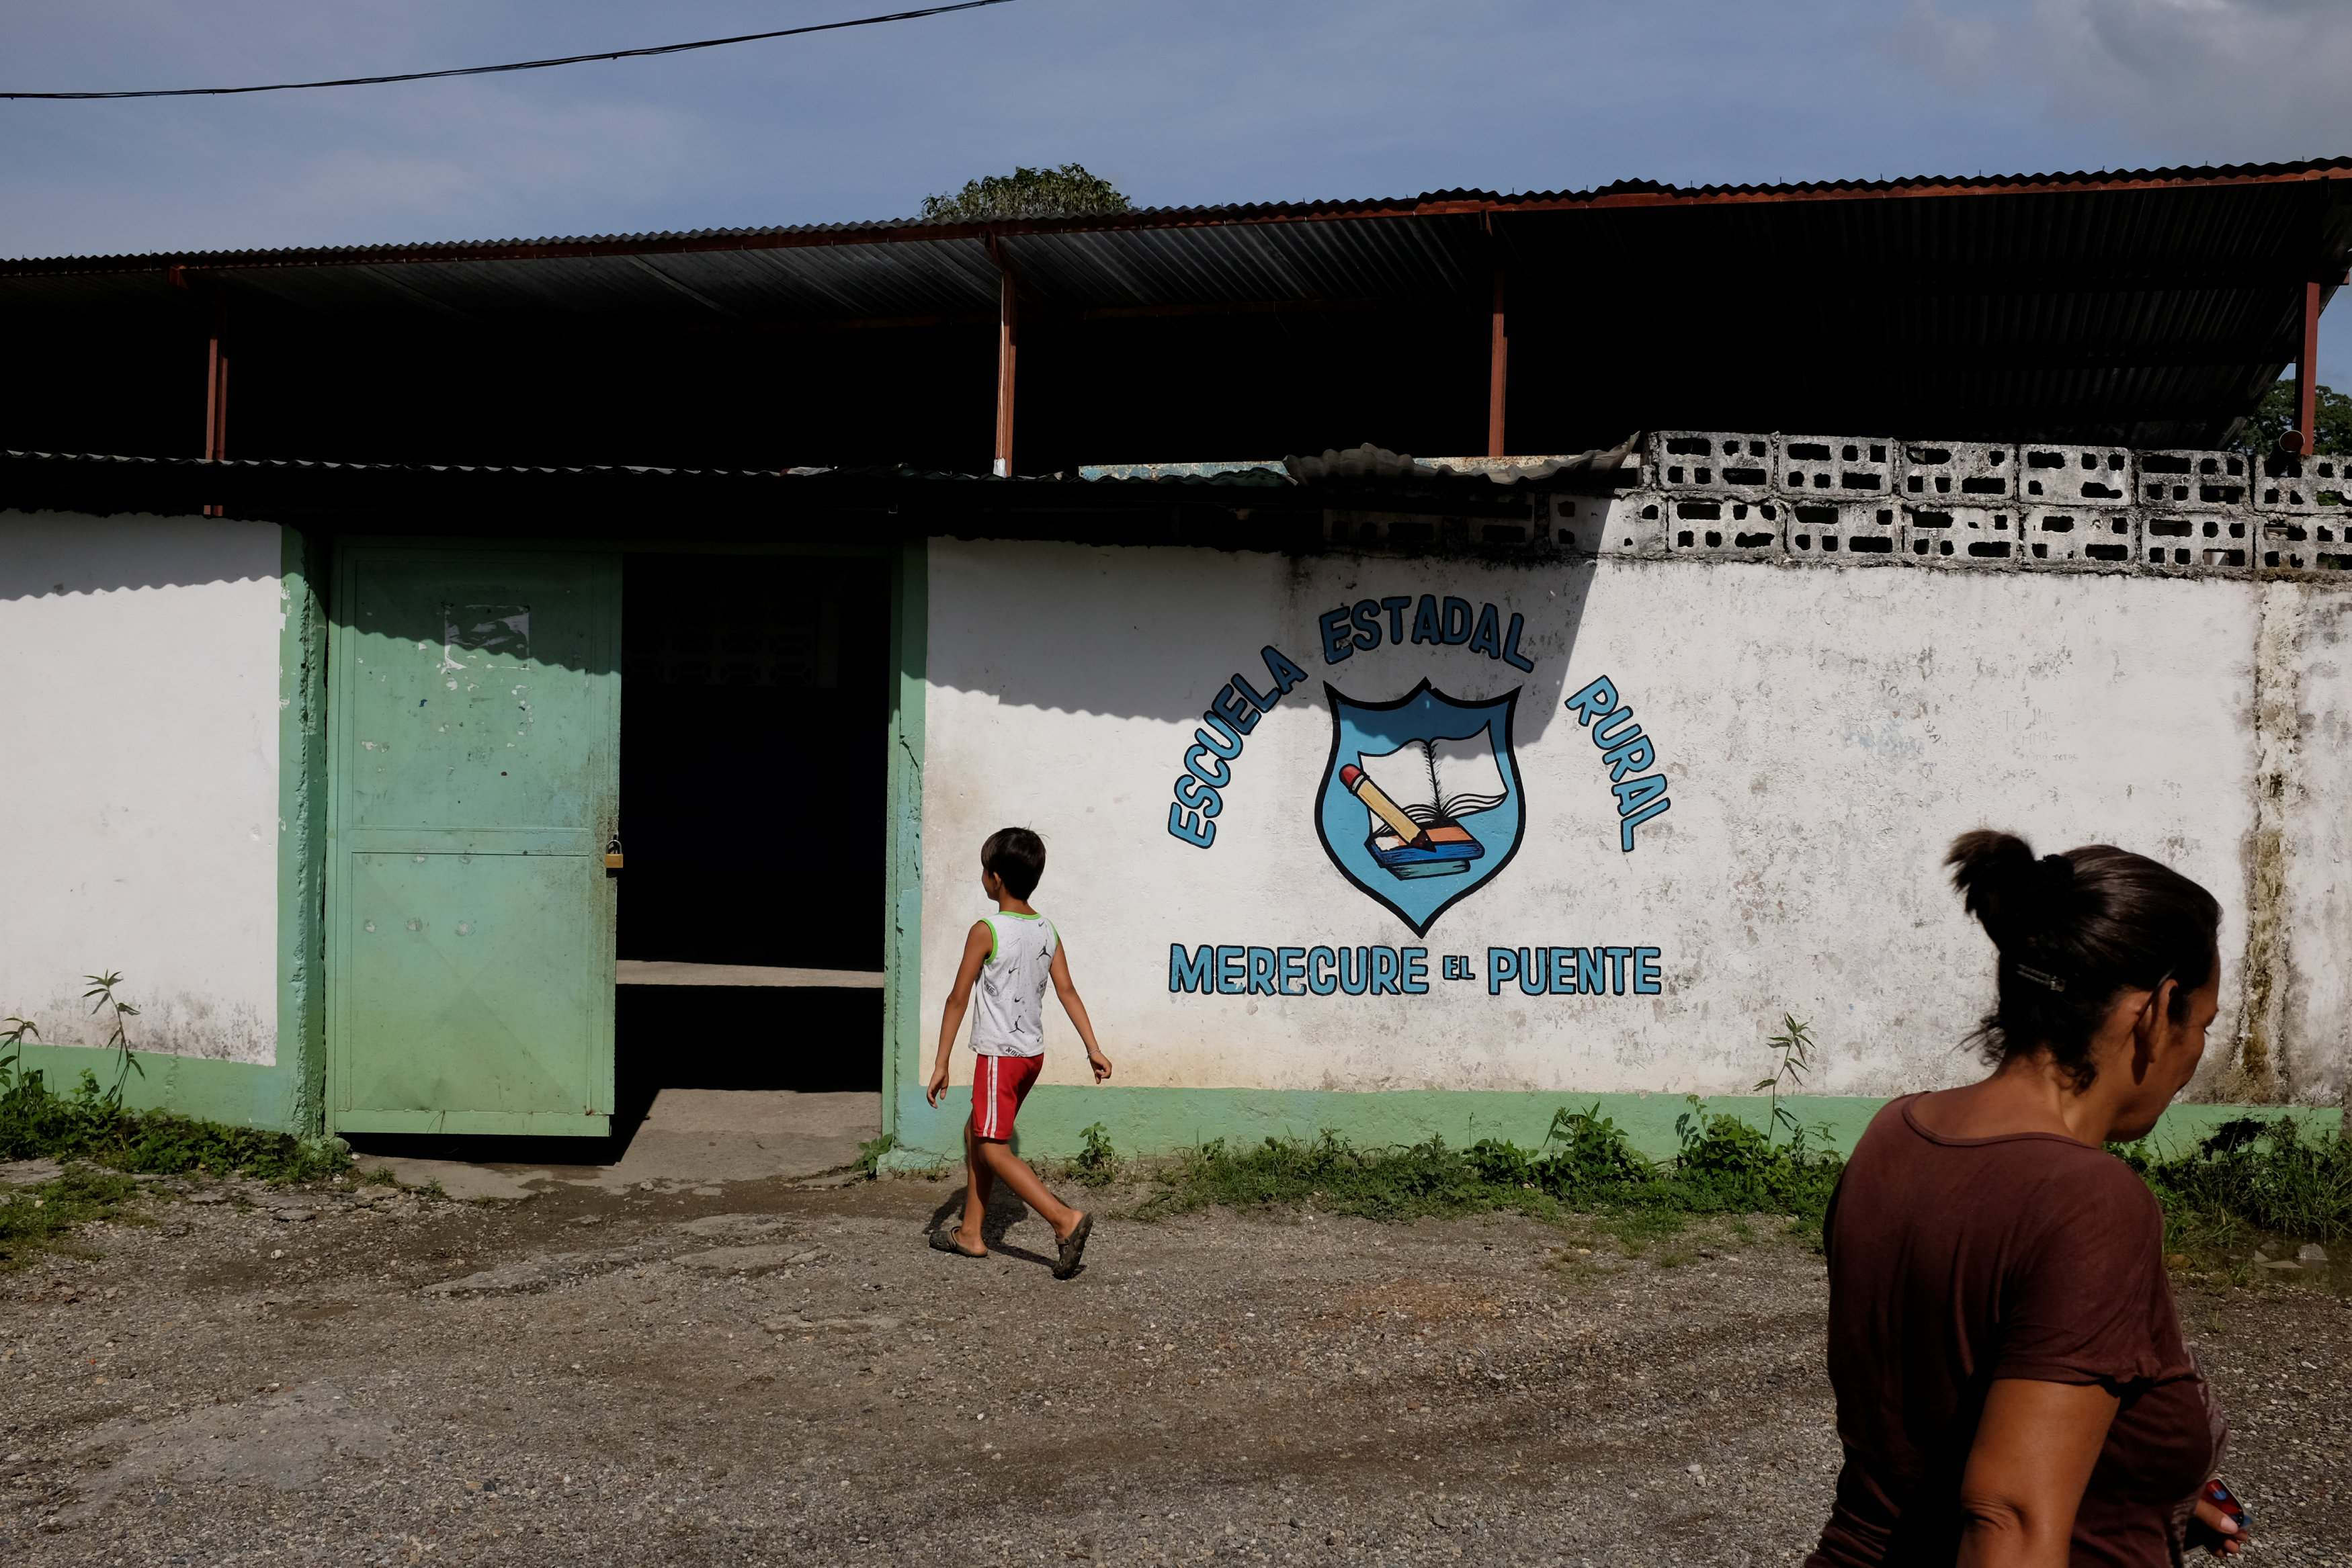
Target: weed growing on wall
100,997
1794,1045
1098,1164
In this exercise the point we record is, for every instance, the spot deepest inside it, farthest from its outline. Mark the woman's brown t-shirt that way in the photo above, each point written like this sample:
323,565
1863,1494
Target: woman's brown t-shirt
1954,1262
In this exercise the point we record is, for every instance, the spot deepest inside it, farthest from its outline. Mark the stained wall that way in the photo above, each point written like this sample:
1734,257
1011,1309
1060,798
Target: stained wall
1822,734
139,782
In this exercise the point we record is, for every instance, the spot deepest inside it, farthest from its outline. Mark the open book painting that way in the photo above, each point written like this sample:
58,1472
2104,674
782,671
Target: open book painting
1437,783
1420,803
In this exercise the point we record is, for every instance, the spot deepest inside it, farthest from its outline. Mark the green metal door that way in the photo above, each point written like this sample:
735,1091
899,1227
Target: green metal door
476,725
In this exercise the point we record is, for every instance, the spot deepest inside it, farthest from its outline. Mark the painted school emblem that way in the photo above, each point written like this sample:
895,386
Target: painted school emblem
1420,803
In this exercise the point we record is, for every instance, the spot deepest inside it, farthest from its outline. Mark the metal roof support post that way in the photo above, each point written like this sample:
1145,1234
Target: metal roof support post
1498,369
2302,438
1008,350
217,388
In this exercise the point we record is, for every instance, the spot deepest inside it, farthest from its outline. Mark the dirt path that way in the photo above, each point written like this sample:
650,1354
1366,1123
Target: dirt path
775,1374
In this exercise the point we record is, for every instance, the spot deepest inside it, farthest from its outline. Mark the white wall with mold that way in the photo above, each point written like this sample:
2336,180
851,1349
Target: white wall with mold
2306,679
1824,735
139,791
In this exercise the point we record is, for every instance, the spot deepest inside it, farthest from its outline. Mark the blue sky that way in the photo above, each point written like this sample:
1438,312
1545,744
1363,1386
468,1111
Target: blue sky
1179,102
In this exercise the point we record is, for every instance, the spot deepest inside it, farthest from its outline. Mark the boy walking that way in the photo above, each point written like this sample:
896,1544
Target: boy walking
1010,956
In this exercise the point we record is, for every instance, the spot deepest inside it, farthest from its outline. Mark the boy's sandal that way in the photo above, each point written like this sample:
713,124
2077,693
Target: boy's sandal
944,1241
1073,1247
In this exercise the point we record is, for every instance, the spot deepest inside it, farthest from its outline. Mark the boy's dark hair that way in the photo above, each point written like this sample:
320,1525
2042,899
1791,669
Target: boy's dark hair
1017,856
2073,930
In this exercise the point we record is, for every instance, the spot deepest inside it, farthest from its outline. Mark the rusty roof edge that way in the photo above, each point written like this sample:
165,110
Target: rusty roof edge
1436,204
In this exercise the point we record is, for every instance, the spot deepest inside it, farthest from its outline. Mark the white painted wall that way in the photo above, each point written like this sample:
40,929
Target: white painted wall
2314,675
1825,734
138,784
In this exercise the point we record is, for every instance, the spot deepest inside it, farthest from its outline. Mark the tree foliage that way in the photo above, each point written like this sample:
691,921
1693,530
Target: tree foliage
2274,416
1062,193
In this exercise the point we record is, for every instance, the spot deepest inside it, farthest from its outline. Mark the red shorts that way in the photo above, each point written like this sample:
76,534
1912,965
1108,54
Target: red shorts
999,1084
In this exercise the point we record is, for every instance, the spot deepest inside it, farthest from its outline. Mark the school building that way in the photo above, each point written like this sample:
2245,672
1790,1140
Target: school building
461,687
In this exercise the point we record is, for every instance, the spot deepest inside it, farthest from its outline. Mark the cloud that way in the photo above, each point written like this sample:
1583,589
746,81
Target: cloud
2204,81
1956,52
2214,79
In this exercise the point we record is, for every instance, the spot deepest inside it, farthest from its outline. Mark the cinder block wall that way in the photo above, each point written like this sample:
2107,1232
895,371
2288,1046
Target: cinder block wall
2035,506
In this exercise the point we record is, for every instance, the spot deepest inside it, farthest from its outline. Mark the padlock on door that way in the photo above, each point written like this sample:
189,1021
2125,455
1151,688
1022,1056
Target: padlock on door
613,853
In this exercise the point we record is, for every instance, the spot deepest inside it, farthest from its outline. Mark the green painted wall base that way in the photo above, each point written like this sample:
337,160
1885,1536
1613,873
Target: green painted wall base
236,1094
1158,1121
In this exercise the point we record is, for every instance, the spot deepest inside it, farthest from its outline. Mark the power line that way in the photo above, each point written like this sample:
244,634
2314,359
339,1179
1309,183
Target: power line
526,64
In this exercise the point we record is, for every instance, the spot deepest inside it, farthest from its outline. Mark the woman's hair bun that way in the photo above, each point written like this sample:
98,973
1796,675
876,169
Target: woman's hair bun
2013,895
2054,877
2075,930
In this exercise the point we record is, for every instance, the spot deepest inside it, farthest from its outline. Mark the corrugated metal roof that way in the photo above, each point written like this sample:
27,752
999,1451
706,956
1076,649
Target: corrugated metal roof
1623,193
1159,256
2152,303
1483,477
1854,238
101,460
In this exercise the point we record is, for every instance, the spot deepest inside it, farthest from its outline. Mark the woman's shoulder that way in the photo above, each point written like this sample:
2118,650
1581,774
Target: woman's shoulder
2096,1185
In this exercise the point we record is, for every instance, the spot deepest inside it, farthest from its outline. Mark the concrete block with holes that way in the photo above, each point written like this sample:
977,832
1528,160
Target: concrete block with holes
1712,463
2194,481
1960,536
2074,475
2299,484
1853,533
1607,525
2194,539
1959,473
1720,526
1839,468
2077,535
2302,543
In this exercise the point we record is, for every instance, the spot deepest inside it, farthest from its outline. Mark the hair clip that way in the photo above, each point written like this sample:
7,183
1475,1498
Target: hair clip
2055,982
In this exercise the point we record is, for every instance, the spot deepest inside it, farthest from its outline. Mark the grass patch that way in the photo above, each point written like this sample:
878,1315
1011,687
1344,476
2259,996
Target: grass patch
36,1123
37,1217
2268,1184
1584,1164
90,1124
98,1141
2255,1183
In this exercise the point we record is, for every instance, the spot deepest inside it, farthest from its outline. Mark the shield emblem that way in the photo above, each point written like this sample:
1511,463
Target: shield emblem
1420,803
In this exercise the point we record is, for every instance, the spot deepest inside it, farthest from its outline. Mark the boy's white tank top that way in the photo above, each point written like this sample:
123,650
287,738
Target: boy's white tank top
1009,1001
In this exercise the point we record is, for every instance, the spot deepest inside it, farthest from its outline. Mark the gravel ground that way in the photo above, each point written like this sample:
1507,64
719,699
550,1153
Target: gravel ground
773,1373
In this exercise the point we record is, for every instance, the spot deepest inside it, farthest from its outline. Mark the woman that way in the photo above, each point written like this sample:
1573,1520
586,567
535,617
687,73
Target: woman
2011,1383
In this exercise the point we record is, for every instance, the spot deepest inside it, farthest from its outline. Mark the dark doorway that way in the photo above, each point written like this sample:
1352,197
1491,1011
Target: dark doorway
754,755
